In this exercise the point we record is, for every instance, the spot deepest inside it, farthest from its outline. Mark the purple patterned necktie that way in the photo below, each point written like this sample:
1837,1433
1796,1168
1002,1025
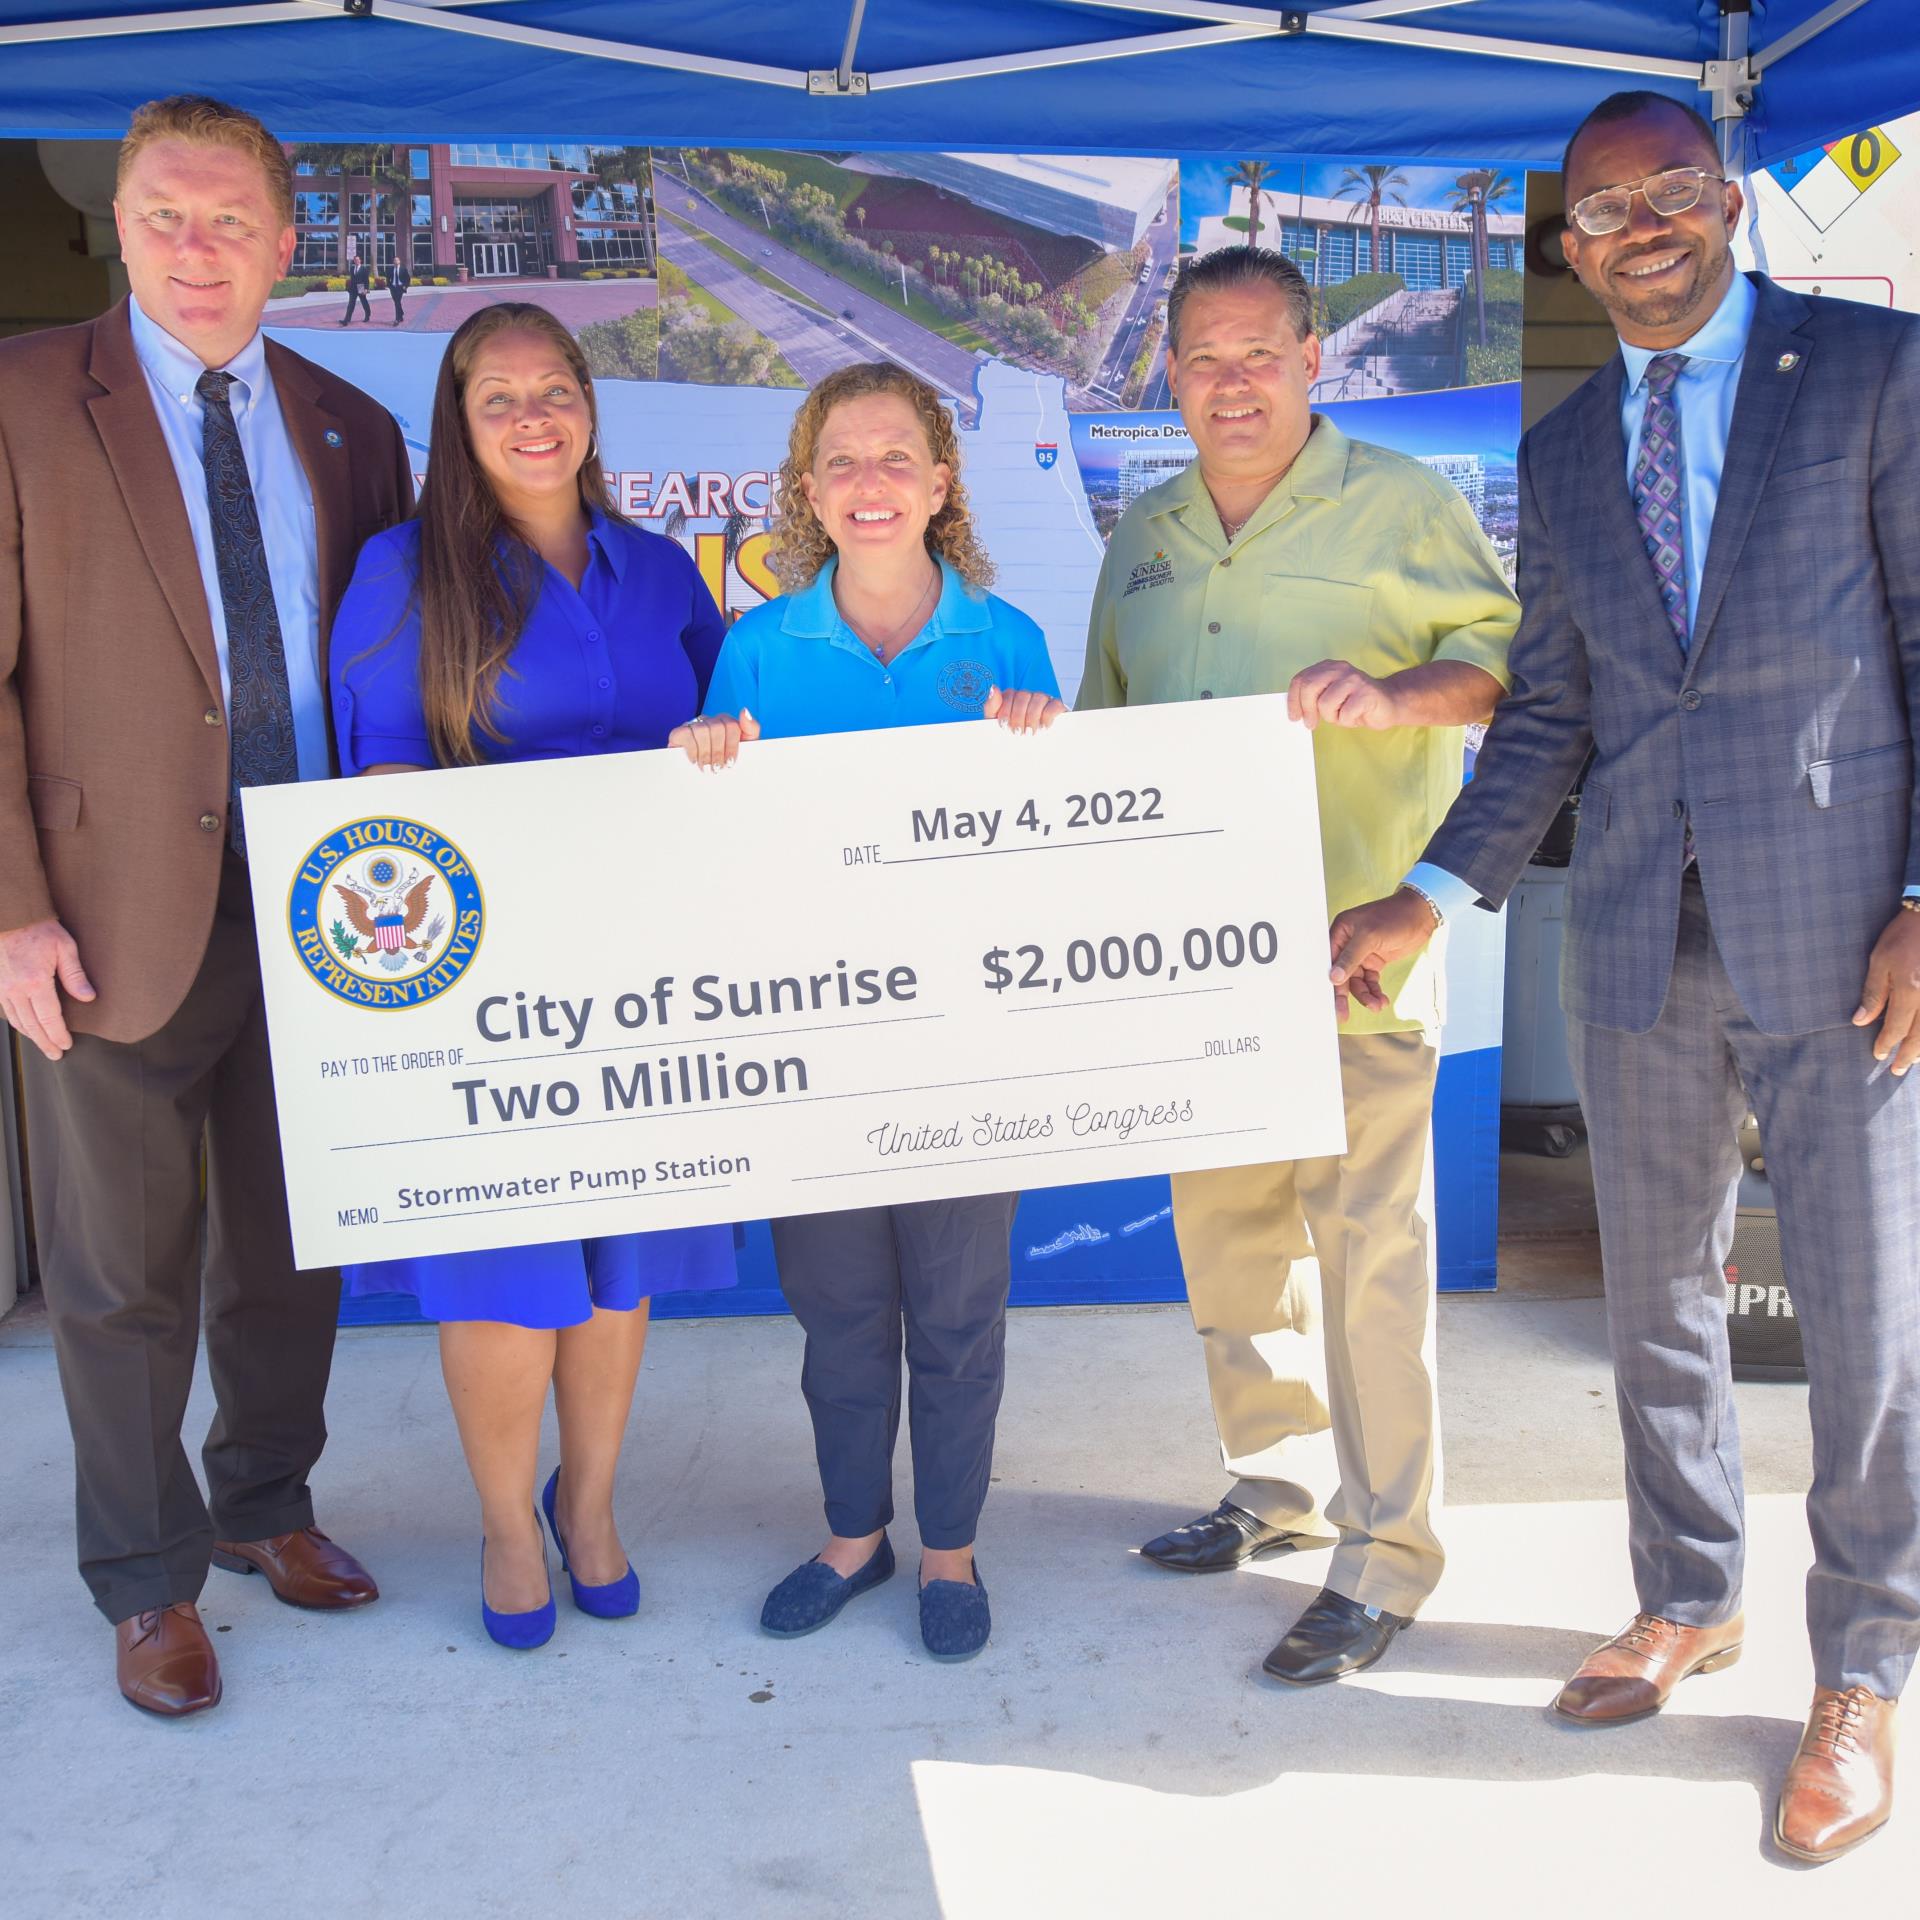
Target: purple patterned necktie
259,707
1657,482
1657,479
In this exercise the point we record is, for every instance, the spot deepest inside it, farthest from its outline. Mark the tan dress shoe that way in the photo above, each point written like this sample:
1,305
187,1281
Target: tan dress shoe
1839,1790
164,1662
1632,1675
304,1569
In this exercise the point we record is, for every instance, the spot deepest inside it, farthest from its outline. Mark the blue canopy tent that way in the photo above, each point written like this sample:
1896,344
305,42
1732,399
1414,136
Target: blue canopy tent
1497,81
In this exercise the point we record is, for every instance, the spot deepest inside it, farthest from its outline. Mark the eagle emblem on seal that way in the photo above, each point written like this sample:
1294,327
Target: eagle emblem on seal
385,913
386,906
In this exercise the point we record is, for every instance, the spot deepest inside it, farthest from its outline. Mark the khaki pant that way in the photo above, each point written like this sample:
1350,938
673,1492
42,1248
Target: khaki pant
1312,1282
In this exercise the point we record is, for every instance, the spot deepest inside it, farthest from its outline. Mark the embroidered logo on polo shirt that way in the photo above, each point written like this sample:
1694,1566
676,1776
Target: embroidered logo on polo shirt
963,685
1157,572
385,912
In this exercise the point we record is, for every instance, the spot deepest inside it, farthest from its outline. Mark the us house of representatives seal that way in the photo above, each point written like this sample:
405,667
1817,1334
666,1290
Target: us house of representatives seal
385,912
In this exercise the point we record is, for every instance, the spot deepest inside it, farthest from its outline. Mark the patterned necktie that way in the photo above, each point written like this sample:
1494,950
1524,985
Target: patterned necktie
261,744
1657,481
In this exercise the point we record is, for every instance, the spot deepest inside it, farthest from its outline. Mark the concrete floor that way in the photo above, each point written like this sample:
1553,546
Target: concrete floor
1114,1752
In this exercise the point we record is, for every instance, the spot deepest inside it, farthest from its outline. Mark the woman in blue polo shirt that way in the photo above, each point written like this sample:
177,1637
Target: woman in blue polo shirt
888,624
516,619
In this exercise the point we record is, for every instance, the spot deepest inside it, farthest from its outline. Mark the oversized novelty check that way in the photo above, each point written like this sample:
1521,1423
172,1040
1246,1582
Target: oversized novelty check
581,997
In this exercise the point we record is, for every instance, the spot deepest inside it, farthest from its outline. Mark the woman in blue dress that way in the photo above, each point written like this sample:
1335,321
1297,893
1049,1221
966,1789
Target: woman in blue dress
516,618
886,623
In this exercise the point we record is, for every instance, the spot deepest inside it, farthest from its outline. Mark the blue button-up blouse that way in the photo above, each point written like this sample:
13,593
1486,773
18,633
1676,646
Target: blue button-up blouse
609,667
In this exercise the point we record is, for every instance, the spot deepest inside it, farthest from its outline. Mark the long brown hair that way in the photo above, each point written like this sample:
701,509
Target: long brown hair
801,545
478,578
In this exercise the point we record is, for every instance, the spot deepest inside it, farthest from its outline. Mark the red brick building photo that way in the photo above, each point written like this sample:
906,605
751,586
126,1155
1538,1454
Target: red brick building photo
523,210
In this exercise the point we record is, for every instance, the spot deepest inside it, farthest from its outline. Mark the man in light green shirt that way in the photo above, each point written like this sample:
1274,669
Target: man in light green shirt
1288,556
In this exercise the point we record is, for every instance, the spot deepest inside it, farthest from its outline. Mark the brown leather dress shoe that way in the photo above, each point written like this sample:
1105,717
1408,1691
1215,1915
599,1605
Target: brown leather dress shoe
304,1569
164,1662
1839,1790
1632,1675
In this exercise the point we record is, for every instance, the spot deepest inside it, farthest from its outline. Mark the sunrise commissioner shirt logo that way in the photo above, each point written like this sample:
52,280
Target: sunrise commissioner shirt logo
1157,572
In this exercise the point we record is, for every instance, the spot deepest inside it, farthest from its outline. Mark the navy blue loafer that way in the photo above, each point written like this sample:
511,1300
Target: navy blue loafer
955,1620
811,1595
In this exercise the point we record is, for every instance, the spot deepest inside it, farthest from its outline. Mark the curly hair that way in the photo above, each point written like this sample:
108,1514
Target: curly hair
802,546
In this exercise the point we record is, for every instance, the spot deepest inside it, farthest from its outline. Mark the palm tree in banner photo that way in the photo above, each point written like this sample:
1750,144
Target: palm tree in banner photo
1251,174
1475,194
392,188
1372,187
629,166
733,536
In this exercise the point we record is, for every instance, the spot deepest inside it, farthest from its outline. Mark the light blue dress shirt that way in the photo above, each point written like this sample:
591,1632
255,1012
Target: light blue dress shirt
281,497
1705,394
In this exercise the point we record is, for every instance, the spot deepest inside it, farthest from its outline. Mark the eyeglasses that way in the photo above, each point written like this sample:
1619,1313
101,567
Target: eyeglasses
1665,193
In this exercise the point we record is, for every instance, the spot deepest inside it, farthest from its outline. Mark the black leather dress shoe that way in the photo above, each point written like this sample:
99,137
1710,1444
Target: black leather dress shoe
1226,1537
1334,1636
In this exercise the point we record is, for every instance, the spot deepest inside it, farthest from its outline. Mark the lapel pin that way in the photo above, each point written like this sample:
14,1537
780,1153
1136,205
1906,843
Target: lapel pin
334,440
1786,363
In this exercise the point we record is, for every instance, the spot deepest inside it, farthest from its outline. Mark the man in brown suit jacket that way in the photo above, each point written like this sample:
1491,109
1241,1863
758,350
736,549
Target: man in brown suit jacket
180,507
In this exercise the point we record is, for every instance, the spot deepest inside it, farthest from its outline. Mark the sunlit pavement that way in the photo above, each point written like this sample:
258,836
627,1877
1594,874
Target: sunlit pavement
1114,1752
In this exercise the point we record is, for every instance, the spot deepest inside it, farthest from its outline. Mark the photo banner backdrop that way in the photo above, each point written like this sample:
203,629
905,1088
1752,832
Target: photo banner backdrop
709,287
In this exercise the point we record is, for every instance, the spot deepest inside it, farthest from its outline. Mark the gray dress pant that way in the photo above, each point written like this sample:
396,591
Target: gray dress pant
114,1135
939,1270
1842,1141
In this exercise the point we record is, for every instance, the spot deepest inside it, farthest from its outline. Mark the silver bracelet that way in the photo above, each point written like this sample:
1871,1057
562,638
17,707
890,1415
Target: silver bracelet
1433,905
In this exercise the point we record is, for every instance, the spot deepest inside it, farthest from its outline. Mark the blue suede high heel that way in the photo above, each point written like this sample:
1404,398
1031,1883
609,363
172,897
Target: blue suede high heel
522,1632
617,1598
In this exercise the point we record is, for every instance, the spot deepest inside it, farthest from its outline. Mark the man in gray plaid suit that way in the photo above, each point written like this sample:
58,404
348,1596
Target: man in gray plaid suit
1720,575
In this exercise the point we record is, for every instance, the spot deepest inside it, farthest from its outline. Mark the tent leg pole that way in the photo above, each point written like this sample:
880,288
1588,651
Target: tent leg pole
1725,79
